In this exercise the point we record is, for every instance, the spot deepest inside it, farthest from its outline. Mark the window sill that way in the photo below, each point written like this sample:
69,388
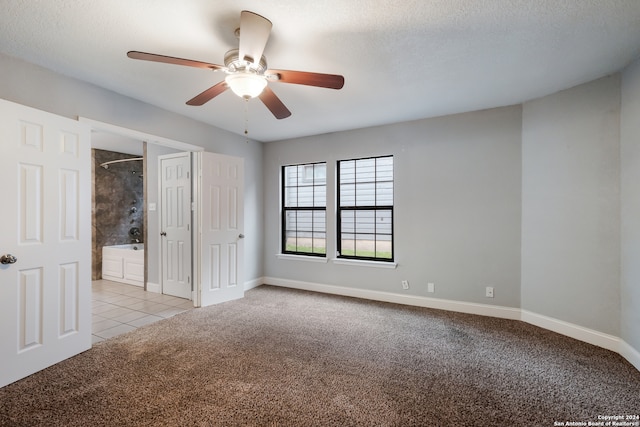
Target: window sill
364,263
302,258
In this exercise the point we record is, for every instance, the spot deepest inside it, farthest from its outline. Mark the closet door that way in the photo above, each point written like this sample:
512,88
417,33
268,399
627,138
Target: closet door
175,223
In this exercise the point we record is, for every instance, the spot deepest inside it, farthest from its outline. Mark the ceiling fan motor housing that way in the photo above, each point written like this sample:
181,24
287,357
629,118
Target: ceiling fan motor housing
234,63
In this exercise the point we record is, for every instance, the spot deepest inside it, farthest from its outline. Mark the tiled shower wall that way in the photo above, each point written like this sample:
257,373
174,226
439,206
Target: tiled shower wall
117,204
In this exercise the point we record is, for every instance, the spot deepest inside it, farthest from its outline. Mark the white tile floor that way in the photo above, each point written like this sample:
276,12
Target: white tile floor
120,308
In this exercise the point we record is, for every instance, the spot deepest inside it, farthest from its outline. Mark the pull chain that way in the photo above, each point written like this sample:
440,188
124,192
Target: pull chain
246,118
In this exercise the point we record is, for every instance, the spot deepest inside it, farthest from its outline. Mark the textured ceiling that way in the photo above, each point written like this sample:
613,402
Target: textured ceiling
402,59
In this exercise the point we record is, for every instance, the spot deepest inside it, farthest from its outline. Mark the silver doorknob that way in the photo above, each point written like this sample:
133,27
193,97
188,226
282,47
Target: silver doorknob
241,236
8,259
163,233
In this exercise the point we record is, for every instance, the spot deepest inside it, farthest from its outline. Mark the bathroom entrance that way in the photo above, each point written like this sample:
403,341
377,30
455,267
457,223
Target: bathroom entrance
131,194
210,188
118,215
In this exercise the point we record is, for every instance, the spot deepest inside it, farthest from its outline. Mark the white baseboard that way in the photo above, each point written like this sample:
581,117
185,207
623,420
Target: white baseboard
418,301
253,283
580,333
123,280
630,353
154,287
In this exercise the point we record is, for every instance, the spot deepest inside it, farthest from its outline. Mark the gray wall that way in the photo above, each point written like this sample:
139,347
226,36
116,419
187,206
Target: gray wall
571,205
541,201
457,205
37,87
630,215
474,191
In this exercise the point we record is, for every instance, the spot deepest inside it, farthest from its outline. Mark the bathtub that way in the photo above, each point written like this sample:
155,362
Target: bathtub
124,263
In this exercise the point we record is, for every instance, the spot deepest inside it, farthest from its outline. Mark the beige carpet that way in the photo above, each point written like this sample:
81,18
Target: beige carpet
282,357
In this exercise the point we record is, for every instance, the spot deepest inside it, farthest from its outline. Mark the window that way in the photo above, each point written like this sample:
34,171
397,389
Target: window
365,209
304,209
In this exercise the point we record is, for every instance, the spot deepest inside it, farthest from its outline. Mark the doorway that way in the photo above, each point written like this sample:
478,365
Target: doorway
114,138
117,210
216,210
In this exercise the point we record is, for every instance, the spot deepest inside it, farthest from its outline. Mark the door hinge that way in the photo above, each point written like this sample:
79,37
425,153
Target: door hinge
193,206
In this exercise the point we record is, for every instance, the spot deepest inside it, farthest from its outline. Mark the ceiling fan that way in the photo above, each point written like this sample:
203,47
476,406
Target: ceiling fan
246,68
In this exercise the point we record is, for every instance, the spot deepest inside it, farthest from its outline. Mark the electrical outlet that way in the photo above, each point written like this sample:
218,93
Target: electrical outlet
405,284
431,287
489,292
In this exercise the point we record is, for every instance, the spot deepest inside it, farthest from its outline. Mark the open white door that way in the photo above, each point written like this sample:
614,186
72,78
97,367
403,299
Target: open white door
221,226
175,224
45,295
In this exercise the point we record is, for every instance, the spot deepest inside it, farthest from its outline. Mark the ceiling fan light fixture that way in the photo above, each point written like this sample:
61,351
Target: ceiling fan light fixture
247,77
246,85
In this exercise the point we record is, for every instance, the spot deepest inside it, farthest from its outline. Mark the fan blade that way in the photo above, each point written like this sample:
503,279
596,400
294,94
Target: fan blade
274,104
208,94
171,60
330,81
254,33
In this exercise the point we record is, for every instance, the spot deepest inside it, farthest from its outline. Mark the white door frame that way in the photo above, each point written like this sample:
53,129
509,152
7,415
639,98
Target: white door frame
149,139
196,217
195,222
142,136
